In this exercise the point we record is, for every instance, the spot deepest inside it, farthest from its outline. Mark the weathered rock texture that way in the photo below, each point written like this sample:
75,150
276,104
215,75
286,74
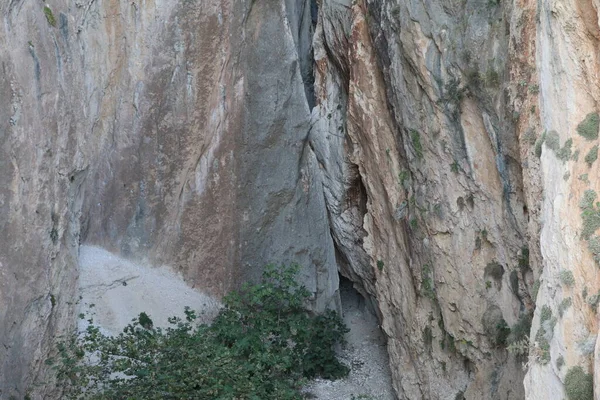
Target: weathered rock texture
397,142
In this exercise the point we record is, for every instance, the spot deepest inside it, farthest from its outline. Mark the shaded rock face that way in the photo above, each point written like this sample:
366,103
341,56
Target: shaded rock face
397,142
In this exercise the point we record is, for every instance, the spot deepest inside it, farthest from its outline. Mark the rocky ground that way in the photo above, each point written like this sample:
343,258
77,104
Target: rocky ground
365,353
114,291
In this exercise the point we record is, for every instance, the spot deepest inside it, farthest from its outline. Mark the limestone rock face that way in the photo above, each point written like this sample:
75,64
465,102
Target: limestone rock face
440,154
169,132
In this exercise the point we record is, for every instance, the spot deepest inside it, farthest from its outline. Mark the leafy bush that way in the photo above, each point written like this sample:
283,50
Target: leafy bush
545,314
591,156
518,339
567,278
262,345
495,270
578,384
588,128
564,154
564,306
553,140
589,214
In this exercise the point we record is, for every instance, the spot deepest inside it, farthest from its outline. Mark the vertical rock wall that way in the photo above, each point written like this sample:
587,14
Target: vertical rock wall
168,132
439,154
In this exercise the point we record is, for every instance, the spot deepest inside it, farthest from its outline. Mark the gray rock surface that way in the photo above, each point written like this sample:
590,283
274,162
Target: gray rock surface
397,142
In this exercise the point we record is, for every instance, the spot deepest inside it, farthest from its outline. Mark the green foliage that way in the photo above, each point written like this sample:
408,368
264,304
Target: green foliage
502,333
591,156
566,277
535,289
262,345
427,282
588,128
404,177
560,362
564,154
49,16
492,78
564,305
594,248
380,265
589,214
415,139
593,301
545,314
495,270
534,89
454,167
579,385
575,156
413,223
543,353
519,333
52,300
553,140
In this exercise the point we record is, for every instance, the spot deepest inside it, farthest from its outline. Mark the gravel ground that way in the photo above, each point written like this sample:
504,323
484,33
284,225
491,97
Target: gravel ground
114,291
365,353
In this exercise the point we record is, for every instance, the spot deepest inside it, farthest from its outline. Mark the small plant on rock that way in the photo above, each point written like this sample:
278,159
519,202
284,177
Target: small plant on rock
591,156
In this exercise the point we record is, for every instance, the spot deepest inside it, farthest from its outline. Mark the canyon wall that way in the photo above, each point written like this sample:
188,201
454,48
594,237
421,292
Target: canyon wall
439,154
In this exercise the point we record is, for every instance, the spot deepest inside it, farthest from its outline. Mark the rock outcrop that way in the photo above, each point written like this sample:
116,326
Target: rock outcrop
439,154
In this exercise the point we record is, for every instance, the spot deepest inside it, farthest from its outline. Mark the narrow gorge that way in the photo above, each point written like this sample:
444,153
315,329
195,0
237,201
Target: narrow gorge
437,155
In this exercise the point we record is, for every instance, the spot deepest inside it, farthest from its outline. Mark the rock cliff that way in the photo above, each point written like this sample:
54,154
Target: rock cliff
440,154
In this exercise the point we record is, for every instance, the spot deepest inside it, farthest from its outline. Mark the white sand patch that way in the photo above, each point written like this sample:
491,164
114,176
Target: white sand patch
114,291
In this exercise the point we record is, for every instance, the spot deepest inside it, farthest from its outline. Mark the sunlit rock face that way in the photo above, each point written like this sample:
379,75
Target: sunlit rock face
439,154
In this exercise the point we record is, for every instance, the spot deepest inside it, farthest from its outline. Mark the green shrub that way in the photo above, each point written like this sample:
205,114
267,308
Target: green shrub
589,214
520,330
579,385
454,167
591,156
427,282
553,140
495,270
545,314
535,289
566,278
594,248
49,16
564,154
564,305
560,362
415,138
588,128
262,345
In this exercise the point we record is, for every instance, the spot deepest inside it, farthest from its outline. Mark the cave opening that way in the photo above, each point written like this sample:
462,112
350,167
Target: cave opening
351,299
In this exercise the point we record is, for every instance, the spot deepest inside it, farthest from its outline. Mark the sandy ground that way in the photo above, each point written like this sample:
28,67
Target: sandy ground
365,353
114,291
